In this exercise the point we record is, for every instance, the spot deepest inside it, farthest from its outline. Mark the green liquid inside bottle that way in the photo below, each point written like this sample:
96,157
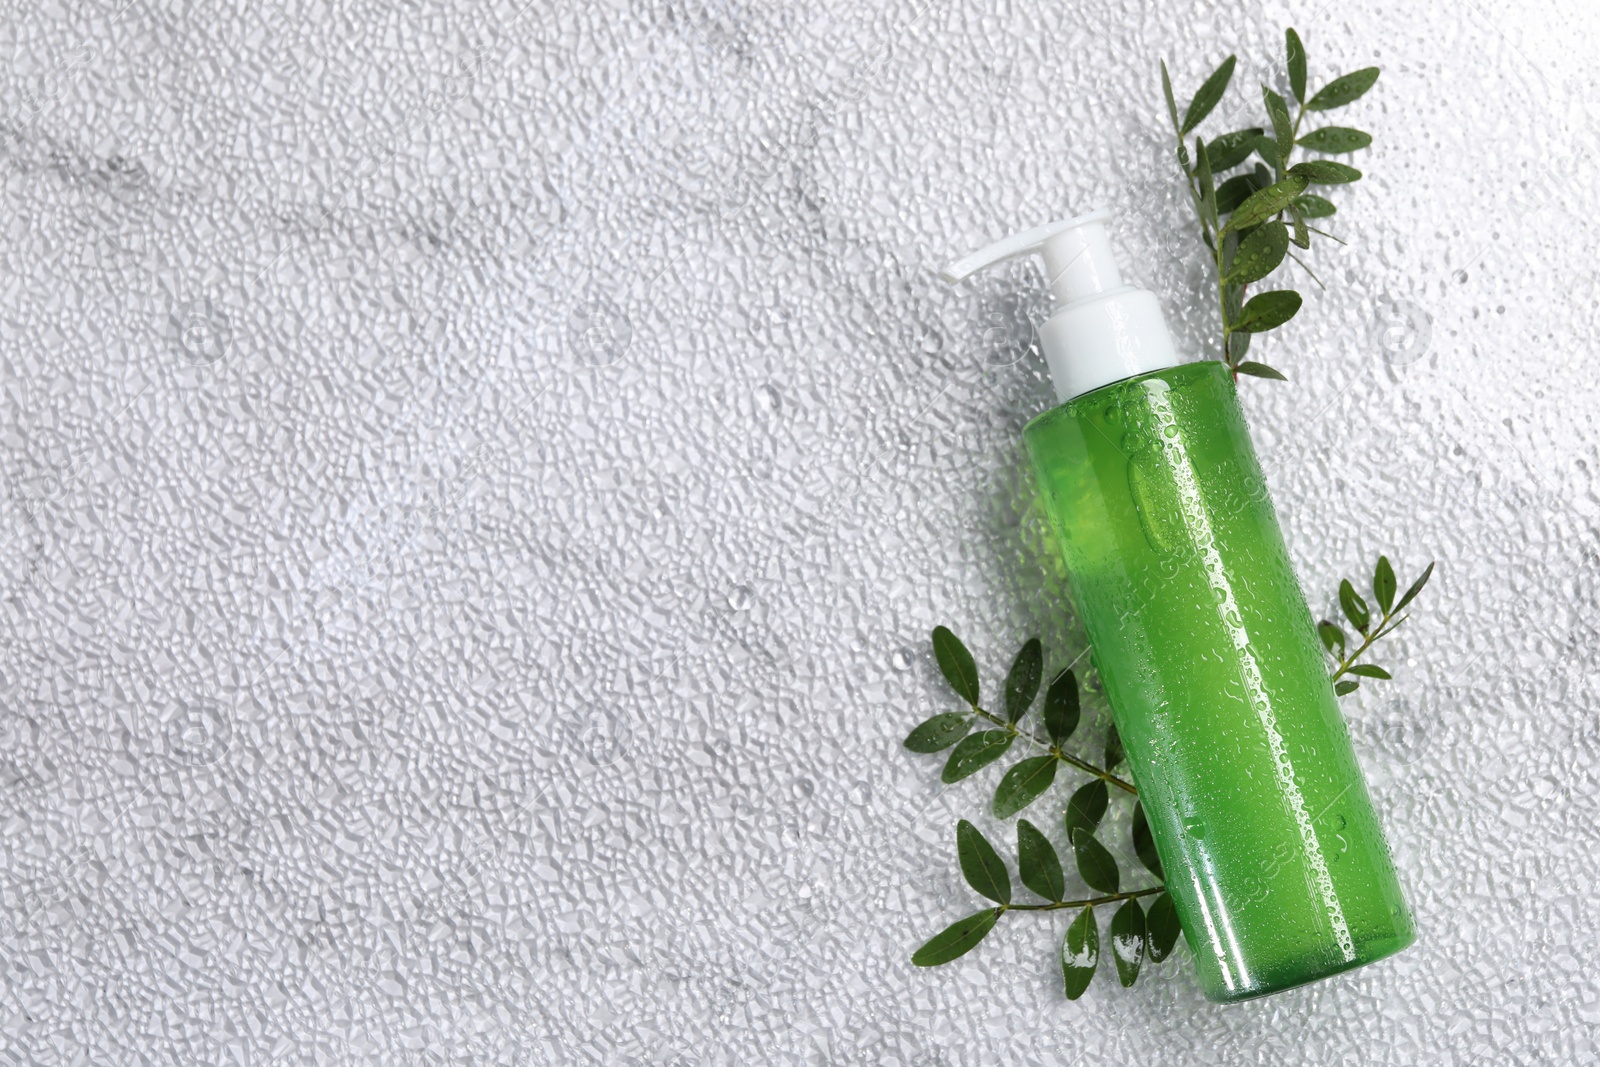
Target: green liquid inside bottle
1217,682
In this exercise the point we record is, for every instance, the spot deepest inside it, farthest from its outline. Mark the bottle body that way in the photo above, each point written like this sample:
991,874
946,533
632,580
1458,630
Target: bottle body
1217,682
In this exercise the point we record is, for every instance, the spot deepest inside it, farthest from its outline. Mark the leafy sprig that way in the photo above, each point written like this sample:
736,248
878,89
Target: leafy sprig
1248,221
1137,933
1355,609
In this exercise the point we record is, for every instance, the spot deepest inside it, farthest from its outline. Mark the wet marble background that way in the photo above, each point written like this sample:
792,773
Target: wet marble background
476,478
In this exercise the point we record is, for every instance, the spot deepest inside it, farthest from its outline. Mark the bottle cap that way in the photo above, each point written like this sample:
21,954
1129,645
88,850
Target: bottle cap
1101,330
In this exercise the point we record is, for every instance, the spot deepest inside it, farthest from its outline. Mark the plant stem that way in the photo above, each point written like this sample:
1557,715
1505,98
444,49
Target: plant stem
1088,902
1345,663
1104,775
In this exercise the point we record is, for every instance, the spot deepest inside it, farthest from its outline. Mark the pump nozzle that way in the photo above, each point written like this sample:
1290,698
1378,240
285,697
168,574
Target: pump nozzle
1101,330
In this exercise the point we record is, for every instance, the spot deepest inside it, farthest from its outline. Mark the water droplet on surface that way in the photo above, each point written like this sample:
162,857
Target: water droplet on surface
768,398
901,660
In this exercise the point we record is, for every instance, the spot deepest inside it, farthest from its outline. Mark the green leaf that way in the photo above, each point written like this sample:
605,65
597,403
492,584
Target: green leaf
1037,862
981,864
1325,172
1335,139
1282,125
1268,311
1061,707
1087,807
1127,941
1343,90
1259,370
1162,923
1022,684
974,753
1235,191
1114,753
1383,584
1416,587
1208,190
939,732
1095,865
1354,608
1231,149
1260,252
1080,953
1302,236
1144,842
1209,94
1314,207
1342,688
957,939
956,664
1267,148
1370,670
1265,203
1331,635
1172,104
1297,64
1022,785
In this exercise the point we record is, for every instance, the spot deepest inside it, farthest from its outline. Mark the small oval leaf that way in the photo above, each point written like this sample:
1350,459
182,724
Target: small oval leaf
1144,842
939,732
1038,865
1383,584
1080,953
1259,253
975,752
1127,941
1259,370
1282,127
1343,90
957,939
1353,606
1325,172
1416,587
955,662
1087,807
1061,707
1022,683
1209,94
1268,311
1370,670
1345,688
1297,64
1331,635
1265,203
1231,149
1095,865
1314,207
1022,785
1335,139
981,865
1162,927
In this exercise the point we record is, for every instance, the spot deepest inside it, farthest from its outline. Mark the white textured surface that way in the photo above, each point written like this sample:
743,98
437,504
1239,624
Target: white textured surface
391,675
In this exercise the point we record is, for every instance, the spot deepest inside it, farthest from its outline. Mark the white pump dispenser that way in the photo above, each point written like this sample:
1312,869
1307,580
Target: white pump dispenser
1101,330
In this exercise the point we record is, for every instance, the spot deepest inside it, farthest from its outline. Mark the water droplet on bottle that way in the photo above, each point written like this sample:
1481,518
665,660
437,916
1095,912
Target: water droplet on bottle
1195,828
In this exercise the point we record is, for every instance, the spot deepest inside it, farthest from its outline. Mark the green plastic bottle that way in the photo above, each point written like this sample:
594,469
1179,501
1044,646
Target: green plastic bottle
1203,640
